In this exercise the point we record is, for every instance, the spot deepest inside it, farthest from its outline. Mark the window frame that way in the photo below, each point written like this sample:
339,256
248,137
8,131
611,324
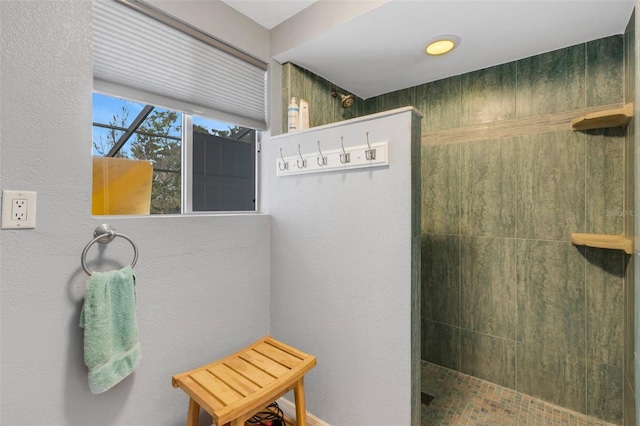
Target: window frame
186,149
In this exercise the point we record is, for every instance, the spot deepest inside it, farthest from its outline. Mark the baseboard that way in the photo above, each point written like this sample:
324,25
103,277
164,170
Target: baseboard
289,410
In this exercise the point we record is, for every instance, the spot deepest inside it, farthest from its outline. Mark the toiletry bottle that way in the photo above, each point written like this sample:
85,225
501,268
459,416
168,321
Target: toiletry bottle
293,113
303,122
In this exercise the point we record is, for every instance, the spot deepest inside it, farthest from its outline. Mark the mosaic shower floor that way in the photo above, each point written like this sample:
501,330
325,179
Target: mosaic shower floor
460,400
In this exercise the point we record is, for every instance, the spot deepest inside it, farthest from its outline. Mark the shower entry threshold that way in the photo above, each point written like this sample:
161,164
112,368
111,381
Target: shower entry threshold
460,399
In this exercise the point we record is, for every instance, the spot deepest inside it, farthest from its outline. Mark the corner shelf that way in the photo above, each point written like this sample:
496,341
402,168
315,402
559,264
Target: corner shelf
601,119
615,242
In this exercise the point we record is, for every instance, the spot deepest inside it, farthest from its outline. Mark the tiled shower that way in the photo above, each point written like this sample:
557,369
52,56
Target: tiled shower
506,297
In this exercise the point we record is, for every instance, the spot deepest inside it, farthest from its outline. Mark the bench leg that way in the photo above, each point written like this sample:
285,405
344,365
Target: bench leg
193,415
301,410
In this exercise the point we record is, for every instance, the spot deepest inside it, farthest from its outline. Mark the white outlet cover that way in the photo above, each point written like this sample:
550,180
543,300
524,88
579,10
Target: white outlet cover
8,221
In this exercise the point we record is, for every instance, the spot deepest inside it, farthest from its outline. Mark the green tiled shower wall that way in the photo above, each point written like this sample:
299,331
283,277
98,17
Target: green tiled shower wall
631,202
323,108
506,297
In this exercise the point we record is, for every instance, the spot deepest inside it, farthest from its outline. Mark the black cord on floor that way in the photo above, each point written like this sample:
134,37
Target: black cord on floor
273,417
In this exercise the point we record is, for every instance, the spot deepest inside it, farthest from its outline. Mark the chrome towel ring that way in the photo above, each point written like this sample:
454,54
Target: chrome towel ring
105,234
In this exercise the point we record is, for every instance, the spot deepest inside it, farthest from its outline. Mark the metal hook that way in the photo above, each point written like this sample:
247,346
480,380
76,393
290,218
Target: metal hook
345,157
304,162
370,154
284,163
324,158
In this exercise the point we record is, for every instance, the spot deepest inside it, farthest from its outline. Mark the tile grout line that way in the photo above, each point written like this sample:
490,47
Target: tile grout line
515,235
459,230
584,261
460,244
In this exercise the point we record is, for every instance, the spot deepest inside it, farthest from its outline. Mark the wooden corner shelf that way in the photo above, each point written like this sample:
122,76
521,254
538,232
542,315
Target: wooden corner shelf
601,119
615,242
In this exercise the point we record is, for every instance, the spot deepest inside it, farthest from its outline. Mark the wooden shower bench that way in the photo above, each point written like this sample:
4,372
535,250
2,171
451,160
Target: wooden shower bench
235,388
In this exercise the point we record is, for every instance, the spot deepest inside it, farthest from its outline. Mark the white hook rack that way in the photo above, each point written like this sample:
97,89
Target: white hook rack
344,158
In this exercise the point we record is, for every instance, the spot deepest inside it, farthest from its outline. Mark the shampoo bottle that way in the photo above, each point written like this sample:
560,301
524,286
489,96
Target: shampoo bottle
293,113
303,122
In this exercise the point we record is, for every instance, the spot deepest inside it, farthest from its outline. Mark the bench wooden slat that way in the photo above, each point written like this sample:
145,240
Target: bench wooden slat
216,387
288,349
250,371
264,363
238,382
200,394
277,355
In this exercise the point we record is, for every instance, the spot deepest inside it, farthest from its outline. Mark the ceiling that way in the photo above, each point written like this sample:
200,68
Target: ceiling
269,13
381,50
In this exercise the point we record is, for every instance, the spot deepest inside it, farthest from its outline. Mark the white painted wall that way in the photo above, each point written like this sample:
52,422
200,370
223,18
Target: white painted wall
341,271
203,282
221,21
340,252
315,20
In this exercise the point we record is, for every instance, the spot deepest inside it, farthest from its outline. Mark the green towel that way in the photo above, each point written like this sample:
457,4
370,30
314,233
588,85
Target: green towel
111,346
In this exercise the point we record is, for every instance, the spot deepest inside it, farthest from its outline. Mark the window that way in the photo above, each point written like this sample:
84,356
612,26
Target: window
162,156
154,160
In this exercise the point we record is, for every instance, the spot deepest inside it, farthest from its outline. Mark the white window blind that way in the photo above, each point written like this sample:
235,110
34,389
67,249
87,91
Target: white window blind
135,55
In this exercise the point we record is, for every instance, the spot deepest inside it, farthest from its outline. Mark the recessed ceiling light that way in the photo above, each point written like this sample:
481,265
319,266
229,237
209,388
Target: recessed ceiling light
442,45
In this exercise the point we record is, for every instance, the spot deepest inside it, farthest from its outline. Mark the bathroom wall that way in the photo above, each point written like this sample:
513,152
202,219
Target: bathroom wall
323,108
630,205
506,296
202,281
345,270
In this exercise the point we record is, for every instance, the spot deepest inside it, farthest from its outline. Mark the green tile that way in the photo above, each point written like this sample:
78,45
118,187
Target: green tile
488,95
323,108
371,106
397,99
439,101
416,266
286,73
357,108
416,203
629,411
488,300
298,83
629,326
605,212
629,180
441,278
636,319
630,59
634,174
551,296
286,93
605,71
637,383
440,188
551,82
605,305
604,392
285,104
488,176
550,188
488,358
441,344
556,378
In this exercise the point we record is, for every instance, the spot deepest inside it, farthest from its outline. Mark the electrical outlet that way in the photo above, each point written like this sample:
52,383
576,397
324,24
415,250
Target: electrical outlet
18,209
